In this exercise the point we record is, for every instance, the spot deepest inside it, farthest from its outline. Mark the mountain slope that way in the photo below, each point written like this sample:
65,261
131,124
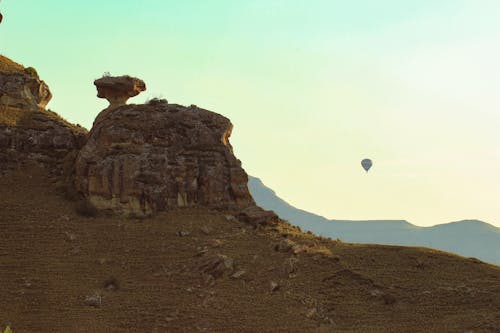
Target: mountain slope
466,238
61,272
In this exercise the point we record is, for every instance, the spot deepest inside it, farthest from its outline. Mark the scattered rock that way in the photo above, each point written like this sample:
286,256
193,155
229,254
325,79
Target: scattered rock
311,313
216,243
256,216
274,286
285,245
206,230
238,274
217,266
376,292
202,252
183,233
230,218
94,300
70,236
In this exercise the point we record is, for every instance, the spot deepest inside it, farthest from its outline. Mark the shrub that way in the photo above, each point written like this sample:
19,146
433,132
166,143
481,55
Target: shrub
156,101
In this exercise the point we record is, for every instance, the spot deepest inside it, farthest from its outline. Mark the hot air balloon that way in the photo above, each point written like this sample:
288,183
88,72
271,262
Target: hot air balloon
366,164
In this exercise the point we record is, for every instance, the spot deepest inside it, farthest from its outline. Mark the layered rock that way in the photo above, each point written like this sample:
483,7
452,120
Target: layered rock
28,132
21,87
142,159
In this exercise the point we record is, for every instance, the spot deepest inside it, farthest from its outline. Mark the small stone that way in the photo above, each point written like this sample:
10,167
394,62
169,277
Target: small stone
70,236
94,300
274,286
238,274
217,266
311,312
206,230
285,245
183,233
201,252
216,243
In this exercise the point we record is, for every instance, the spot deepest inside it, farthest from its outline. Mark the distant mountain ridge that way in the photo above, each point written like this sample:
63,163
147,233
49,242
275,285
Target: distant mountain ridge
469,238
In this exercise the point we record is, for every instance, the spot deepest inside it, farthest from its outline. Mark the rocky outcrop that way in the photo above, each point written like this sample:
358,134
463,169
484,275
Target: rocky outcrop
142,159
28,132
22,88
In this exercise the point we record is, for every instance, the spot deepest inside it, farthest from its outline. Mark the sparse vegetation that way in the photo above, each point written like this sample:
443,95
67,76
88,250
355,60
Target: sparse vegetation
156,101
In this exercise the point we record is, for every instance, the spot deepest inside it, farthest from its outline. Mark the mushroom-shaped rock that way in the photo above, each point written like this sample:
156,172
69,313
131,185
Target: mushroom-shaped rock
118,89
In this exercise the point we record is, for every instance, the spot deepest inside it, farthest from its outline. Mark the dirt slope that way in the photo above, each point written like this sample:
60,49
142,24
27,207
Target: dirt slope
151,279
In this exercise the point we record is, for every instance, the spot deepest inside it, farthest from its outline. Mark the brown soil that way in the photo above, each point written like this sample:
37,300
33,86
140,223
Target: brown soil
149,277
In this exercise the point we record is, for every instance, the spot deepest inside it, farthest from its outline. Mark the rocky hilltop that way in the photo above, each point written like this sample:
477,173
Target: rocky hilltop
137,159
29,133
157,156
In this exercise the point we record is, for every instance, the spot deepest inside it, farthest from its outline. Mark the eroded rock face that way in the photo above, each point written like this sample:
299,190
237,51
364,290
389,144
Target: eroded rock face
142,159
23,89
28,132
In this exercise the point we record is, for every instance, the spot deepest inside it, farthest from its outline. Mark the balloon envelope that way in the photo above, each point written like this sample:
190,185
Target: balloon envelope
366,164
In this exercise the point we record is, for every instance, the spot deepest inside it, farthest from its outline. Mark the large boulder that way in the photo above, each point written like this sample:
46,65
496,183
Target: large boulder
28,132
142,159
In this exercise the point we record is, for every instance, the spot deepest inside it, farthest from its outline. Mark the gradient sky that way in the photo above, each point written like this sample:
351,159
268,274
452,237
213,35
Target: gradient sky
312,88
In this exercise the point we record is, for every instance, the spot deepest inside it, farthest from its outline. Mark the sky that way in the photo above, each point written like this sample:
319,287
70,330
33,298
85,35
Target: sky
312,87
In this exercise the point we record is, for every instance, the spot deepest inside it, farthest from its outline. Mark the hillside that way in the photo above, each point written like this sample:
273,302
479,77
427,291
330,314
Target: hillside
466,238
146,224
159,275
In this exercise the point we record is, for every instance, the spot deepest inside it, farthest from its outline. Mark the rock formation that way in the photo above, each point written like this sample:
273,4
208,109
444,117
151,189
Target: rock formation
118,89
140,159
21,87
28,132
